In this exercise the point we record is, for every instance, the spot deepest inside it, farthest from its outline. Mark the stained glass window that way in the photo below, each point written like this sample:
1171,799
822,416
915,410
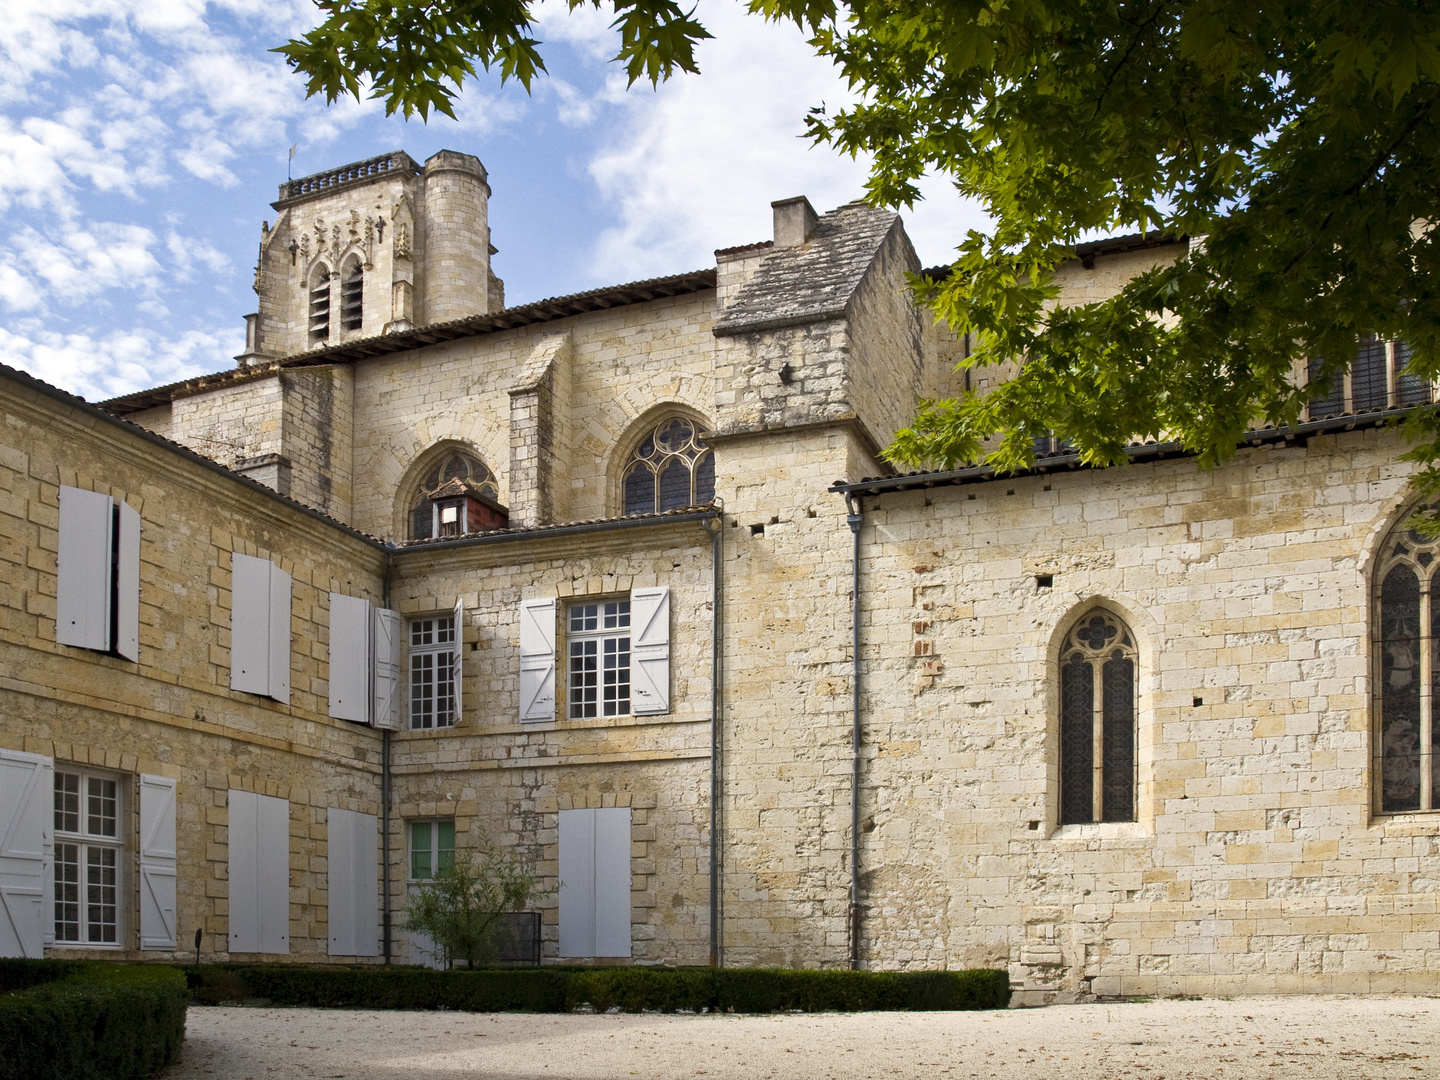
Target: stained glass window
1406,625
672,468
1097,722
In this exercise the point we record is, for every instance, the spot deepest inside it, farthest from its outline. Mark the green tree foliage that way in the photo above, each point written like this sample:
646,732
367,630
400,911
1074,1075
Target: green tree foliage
1299,138
460,909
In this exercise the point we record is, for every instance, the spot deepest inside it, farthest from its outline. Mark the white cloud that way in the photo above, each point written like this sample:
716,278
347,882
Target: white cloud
86,261
190,252
118,362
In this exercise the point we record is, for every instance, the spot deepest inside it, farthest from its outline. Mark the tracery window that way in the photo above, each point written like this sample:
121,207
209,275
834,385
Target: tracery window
1098,694
1406,628
456,496
352,296
320,305
670,469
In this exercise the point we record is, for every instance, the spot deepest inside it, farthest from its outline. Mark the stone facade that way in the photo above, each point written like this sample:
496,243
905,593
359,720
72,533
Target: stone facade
1257,860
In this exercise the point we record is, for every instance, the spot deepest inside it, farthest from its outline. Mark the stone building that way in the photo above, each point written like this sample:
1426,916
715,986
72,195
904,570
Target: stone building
617,581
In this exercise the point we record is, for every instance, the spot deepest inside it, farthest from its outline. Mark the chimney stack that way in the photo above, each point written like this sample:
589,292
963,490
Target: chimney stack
795,221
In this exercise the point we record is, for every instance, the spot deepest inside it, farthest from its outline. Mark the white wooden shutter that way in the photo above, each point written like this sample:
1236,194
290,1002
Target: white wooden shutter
279,634
127,584
82,600
537,659
249,625
457,664
649,651
157,862
577,883
349,658
27,794
259,872
354,877
385,692
612,881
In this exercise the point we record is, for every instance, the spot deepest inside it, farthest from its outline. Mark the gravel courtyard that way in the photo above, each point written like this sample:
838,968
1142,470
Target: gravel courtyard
1314,1037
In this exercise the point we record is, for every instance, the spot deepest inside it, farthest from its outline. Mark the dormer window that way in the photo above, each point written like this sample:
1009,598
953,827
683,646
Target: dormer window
455,497
320,305
352,296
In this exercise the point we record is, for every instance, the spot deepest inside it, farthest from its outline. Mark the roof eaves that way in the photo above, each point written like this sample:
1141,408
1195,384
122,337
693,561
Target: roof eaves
570,528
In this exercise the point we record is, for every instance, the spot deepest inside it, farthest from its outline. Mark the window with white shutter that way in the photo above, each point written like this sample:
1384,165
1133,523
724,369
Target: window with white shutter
97,601
595,882
537,659
259,627
349,658
650,651
385,695
91,818
259,873
26,784
157,862
354,883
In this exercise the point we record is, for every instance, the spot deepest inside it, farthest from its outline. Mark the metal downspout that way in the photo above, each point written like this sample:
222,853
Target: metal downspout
385,913
716,528
855,518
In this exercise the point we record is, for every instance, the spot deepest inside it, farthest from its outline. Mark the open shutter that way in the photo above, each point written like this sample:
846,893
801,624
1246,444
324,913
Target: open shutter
577,882
259,873
537,660
385,702
249,626
458,658
127,584
649,651
27,786
612,881
279,635
354,883
349,658
82,596
157,862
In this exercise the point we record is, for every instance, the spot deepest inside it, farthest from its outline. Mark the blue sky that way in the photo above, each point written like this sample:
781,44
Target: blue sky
141,142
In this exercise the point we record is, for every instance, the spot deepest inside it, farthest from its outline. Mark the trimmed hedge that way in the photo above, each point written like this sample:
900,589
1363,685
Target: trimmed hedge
634,989
72,1020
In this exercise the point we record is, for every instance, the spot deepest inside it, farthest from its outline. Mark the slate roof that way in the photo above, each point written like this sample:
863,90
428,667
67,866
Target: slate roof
814,281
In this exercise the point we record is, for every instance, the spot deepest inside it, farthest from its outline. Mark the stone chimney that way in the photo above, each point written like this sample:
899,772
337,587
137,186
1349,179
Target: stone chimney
795,221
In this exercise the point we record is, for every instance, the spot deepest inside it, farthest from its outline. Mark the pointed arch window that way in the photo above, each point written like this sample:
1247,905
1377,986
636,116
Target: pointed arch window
1404,647
671,468
352,296
320,305
457,495
1098,695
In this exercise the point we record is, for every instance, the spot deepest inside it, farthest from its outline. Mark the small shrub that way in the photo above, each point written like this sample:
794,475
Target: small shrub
110,1021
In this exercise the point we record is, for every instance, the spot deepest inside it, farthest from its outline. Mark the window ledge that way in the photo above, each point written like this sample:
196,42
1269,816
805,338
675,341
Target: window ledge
1104,830
1409,822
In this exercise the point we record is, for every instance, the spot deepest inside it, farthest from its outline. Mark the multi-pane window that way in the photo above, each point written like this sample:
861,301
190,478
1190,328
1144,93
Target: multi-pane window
319,306
88,858
598,645
432,848
1377,379
433,655
1098,690
670,469
1406,624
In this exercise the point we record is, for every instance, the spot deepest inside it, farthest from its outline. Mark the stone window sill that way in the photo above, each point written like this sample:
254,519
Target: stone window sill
1104,830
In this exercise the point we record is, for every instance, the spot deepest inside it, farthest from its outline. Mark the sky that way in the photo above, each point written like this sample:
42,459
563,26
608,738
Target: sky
142,141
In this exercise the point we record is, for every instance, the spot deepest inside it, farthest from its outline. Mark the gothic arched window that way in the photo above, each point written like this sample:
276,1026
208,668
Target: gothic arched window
1098,693
352,296
320,305
1405,631
455,496
670,469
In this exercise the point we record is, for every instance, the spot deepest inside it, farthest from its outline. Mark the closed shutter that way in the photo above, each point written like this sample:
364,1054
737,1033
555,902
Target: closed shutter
27,786
349,658
385,706
279,634
354,883
537,659
157,862
82,595
649,651
127,584
577,882
259,873
612,881
458,663
249,625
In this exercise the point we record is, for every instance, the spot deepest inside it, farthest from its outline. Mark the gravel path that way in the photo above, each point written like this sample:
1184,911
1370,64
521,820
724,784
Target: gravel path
1269,1038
